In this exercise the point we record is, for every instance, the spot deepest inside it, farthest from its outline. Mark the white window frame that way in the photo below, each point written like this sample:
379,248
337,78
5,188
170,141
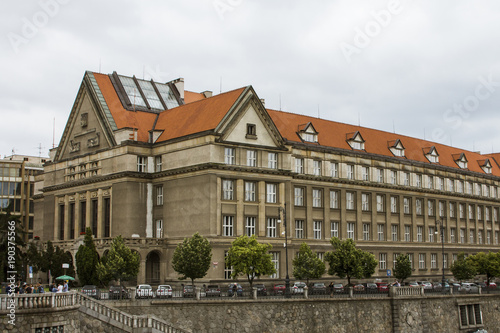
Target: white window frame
350,171
334,199
407,233
317,196
251,158
299,229
380,232
272,160
271,227
380,203
317,167
366,231
365,173
299,165
365,202
228,225
250,223
227,189
394,204
420,231
421,261
250,188
382,261
349,198
317,229
334,171
159,195
229,156
142,164
334,229
394,232
271,192
299,196
350,230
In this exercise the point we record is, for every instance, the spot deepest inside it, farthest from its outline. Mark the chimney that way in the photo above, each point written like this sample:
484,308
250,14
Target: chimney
207,93
263,101
179,84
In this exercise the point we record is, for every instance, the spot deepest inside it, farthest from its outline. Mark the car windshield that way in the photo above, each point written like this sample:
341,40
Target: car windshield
339,285
319,284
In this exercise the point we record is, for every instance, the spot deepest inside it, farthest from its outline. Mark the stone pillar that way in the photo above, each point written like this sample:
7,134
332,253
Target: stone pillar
197,292
141,278
351,293
306,292
254,293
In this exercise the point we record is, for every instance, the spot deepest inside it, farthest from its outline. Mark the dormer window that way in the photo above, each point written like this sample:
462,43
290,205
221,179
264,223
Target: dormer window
485,165
431,154
355,140
251,131
308,133
396,148
461,160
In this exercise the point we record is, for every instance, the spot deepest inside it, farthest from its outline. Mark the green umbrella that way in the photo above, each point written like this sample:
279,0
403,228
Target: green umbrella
65,277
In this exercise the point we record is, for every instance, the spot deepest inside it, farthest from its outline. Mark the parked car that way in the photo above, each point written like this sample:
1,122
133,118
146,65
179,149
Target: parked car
413,284
469,287
426,284
188,291
338,288
261,289
298,288
370,287
92,291
230,289
164,291
437,285
359,287
279,289
114,292
318,288
212,290
382,286
493,285
144,291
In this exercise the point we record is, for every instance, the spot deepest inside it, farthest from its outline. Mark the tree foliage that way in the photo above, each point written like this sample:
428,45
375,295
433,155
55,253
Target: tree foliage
250,258
307,265
87,260
192,258
11,238
120,264
462,268
486,264
51,260
402,270
348,261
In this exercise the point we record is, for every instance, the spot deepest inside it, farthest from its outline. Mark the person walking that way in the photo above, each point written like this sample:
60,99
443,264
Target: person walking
65,287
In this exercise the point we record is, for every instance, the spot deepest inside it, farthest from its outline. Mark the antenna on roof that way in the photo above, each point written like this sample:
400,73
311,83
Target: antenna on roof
54,133
40,149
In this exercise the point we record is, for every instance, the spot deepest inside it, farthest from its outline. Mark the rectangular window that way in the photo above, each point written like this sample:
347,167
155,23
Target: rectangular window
251,158
365,173
480,237
366,231
430,207
486,213
227,189
451,185
445,260
420,231
380,232
107,217
271,190
380,203
94,211
431,182
470,316
488,237
334,229
479,213
317,194
158,163
460,186
228,270
407,233
462,236
275,259
406,205
394,204
271,227
349,200
496,237
495,214
471,212
410,257
418,181
335,169
61,222
159,228
393,177
71,221
380,175
142,163
350,230
469,188
441,183
418,206
431,234
272,160
299,165
382,260
472,237
365,202
250,226
394,232
350,171
229,156
317,227
452,209
452,235
251,130
159,195
250,188
441,208
227,225
317,168
334,199
299,196
433,260
461,211
83,216
421,261
299,228
406,177
394,259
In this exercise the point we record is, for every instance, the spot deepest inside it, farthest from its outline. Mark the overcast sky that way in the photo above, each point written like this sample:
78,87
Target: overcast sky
420,68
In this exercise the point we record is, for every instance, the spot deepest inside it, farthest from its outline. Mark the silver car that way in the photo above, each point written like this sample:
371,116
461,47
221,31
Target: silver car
298,288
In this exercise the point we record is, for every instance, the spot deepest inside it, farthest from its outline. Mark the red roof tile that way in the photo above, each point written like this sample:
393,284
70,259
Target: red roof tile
190,97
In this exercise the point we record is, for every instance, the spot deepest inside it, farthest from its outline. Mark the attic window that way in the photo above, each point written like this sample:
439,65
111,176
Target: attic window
461,160
251,131
431,154
485,165
132,91
308,133
396,148
355,140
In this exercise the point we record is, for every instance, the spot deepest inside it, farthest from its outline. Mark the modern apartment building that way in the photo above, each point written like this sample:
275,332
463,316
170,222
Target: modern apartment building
155,164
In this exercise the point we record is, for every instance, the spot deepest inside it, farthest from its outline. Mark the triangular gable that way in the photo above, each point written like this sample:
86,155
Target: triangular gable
396,147
461,160
248,122
485,165
355,140
307,133
88,128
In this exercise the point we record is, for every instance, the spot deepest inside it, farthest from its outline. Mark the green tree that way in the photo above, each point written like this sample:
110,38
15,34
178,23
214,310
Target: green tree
87,259
120,264
348,261
34,257
307,265
192,258
486,264
402,270
51,260
11,246
462,268
248,257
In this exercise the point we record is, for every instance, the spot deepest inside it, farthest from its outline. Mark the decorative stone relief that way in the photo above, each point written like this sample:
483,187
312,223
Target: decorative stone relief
84,119
71,198
74,146
83,196
93,194
93,142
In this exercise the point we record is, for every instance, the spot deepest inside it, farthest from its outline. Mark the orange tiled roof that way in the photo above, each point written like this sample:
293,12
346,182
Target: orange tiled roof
190,97
195,117
333,134
142,121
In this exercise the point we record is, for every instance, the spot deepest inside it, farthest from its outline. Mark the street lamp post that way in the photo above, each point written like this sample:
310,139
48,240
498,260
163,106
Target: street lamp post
287,278
441,225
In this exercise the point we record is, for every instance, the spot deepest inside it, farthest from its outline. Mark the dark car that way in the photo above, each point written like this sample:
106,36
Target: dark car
279,289
230,289
92,291
114,292
261,290
212,290
188,291
338,288
359,288
318,288
370,287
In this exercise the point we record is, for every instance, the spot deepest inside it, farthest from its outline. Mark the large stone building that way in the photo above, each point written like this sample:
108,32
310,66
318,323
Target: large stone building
155,164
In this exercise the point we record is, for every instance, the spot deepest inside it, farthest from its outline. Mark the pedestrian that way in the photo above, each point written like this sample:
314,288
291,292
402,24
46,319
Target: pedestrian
17,288
59,288
235,290
330,287
65,287
29,289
